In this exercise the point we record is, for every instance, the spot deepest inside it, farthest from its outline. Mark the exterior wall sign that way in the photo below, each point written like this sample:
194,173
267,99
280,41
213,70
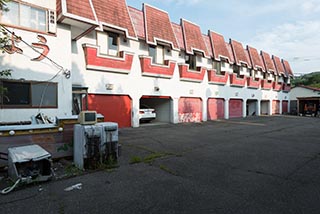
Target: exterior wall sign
41,44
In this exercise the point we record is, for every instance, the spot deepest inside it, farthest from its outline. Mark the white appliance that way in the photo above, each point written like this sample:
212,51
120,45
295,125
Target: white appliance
95,144
29,163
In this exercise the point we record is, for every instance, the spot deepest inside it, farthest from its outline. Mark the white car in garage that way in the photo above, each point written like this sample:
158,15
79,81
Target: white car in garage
146,113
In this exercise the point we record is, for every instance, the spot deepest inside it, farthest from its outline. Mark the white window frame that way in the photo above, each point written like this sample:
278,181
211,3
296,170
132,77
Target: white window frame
38,23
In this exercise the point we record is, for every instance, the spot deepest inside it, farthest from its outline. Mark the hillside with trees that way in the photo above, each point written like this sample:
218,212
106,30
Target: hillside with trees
312,79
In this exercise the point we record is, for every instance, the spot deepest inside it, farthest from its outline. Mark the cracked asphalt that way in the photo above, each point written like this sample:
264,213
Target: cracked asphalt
253,165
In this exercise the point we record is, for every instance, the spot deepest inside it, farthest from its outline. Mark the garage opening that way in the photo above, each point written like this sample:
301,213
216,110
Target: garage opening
190,110
264,107
155,109
252,107
114,108
309,106
215,108
276,107
235,108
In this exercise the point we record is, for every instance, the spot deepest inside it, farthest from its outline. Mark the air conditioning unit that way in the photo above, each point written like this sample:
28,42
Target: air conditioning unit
109,140
86,146
95,144
29,163
52,22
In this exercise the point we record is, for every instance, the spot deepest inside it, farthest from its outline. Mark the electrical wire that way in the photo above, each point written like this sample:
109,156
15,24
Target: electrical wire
60,67
9,189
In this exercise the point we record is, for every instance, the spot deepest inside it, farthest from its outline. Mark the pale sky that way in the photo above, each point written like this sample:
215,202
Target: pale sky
289,29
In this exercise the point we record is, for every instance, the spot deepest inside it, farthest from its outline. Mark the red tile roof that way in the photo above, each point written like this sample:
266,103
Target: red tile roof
287,67
255,58
79,9
239,53
248,58
208,45
269,65
278,65
193,37
177,29
158,26
220,48
228,45
59,8
114,13
138,21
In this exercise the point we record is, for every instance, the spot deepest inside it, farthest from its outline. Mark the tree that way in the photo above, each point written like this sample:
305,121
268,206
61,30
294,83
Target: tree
312,79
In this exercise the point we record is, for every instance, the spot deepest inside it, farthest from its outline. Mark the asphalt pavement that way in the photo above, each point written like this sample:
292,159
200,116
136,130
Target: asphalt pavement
267,164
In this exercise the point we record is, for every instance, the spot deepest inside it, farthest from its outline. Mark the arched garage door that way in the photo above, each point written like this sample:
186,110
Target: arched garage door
115,108
190,110
215,108
276,107
235,108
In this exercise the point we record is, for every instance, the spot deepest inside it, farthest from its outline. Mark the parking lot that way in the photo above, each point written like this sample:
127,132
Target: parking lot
253,165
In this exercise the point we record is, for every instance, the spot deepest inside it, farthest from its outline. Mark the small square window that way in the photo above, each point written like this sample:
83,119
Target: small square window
113,44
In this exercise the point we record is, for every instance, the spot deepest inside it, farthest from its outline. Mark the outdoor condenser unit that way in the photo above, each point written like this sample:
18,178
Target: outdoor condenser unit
86,146
95,144
29,163
109,146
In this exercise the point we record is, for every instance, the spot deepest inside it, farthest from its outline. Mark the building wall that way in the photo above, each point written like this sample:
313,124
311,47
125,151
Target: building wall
136,85
303,92
24,69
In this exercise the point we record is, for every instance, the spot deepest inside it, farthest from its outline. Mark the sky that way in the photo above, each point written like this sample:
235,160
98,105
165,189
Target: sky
289,29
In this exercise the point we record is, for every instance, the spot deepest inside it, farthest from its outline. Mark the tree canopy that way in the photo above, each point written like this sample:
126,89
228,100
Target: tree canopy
312,79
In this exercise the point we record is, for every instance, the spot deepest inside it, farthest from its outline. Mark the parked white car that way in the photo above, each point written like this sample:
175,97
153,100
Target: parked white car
146,113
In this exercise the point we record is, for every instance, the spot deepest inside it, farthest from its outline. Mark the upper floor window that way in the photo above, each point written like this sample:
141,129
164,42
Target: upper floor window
157,54
217,66
236,70
25,16
192,61
113,43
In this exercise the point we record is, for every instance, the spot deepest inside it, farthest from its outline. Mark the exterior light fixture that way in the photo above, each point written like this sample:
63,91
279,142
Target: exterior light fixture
109,86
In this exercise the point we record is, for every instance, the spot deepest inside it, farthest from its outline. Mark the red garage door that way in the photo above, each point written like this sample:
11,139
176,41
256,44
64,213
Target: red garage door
235,108
215,109
114,108
275,107
284,107
190,110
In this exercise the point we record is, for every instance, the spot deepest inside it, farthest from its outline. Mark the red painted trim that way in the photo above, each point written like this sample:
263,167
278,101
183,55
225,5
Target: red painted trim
265,84
96,61
235,81
213,77
253,83
189,75
147,68
277,86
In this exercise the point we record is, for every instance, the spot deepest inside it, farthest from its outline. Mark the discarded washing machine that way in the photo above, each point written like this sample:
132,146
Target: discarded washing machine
29,164
95,144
